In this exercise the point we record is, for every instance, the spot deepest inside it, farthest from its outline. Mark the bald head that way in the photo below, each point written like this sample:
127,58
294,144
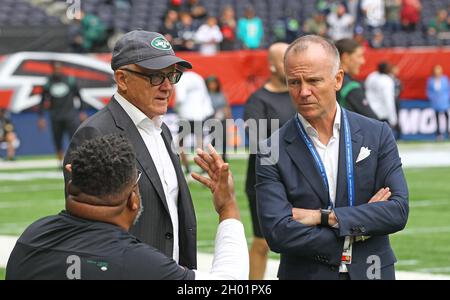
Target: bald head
305,42
276,52
276,65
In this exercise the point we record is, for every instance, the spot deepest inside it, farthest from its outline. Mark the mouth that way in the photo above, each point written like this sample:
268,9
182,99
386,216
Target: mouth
161,98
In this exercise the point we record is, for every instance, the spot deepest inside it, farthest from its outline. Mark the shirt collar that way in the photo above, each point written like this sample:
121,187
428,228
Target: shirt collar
137,116
311,131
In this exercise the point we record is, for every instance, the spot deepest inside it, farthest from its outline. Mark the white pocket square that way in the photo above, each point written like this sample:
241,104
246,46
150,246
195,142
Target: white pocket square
363,154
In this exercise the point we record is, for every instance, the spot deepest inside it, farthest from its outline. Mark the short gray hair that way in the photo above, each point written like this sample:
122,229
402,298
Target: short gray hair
302,43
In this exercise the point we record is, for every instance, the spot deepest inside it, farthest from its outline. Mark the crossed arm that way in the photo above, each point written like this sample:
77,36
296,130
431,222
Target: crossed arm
295,230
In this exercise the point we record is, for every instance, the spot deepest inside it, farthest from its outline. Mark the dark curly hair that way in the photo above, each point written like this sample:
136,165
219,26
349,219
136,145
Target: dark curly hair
104,165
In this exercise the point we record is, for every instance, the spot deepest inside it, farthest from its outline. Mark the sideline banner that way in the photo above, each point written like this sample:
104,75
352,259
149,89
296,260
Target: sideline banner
23,74
418,121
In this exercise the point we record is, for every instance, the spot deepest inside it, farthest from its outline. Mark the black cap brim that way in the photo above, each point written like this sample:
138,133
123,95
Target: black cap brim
161,62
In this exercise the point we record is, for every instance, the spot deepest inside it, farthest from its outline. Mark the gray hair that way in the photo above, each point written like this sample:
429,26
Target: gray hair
302,43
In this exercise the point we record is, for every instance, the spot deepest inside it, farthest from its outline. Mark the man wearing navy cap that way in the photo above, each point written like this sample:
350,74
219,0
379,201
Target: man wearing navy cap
145,70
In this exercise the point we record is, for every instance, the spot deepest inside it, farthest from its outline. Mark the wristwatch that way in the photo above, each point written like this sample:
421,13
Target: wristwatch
324,213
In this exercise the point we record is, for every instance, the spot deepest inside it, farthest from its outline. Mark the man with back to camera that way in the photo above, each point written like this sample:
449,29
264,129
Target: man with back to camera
90,239
336,189
145,70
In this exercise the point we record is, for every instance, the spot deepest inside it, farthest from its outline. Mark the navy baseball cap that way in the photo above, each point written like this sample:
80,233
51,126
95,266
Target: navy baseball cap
147,49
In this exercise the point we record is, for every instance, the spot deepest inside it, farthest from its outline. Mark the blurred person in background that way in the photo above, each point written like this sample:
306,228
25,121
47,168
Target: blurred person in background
351,96
186,32
222,110
94,33
398,87
61,92
316,25
438,93
250,30
228,28
373,11
286,28
340,23
410,14
8,138
439,23
377,39
270,102
209,37
195,8
380,92
169,26
393,8
193,106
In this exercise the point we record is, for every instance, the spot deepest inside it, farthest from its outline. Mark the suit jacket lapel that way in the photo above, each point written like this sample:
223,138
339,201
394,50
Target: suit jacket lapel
123,121
303,159
357,140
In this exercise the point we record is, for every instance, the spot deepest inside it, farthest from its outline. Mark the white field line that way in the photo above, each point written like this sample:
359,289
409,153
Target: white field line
31,188
28,164
426,203
427,155
22,176
426,230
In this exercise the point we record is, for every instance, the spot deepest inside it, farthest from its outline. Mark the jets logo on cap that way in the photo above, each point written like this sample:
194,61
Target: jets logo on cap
161,43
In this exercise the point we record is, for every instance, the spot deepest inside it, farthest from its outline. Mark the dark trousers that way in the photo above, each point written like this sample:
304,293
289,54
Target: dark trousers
445,129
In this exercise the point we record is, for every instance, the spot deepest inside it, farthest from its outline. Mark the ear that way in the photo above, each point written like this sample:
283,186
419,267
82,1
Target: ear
120,78
339,79
133,201
68,168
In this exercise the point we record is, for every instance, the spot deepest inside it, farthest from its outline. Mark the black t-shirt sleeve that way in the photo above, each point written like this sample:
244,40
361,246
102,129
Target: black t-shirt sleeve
357,102
142,262
254,108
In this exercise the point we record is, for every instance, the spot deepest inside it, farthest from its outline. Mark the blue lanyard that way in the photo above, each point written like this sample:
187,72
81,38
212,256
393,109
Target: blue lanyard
319,163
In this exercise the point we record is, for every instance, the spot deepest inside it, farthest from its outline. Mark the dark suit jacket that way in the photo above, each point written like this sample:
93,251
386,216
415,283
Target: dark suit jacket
155,226
293,180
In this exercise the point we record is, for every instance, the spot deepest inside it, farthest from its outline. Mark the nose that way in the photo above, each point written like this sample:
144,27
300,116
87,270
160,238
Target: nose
166,85
305,91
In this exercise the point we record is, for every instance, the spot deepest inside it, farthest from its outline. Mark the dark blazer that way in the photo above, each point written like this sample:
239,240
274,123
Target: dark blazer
293,180
155,226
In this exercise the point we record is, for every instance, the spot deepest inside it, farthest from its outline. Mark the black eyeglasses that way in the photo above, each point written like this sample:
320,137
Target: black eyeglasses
159,77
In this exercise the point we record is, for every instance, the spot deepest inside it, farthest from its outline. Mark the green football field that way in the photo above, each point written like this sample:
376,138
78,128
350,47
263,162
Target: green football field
424,246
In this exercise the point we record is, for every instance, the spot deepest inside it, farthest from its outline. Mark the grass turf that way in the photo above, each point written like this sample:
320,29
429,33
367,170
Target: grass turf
423,246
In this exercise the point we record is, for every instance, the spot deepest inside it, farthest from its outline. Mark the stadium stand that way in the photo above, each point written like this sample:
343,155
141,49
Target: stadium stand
42,25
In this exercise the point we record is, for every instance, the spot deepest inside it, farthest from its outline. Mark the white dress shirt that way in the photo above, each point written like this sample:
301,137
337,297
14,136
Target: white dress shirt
231,259
150,131
329,154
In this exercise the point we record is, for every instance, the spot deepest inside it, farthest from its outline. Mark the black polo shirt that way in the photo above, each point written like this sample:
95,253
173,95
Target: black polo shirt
67,247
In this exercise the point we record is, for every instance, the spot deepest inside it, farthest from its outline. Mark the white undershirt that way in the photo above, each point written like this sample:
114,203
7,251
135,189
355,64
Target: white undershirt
231,259
150,131
329,154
